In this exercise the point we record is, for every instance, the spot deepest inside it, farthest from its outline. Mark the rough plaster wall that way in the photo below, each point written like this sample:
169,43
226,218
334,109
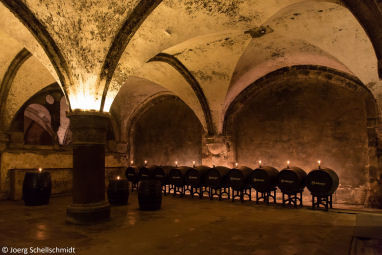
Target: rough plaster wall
212,60
271,52
83,30
9,49
130,98
13,27
31,78
296,121
167,132
174,22
165,75
333,29
42,158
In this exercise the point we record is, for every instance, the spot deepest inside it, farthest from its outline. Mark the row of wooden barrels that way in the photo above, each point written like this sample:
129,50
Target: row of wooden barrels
321,182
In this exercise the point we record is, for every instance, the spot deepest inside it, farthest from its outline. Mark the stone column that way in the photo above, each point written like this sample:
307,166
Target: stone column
218,151
89,138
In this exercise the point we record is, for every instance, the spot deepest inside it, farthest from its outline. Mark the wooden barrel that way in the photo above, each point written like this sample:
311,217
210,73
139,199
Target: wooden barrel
239,178
144,173
176,176
150,194
37,188
158,173
118,192
131,174
264,178
192,177
204,173
291,180
322,182
224,179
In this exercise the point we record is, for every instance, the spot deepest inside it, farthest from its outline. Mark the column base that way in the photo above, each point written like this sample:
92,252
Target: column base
84,214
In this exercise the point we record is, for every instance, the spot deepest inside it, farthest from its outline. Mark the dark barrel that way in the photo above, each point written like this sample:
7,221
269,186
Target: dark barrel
264,178
291,180
192,177
223,172
204,173
131,174
158,173
37,188
322,182
176,176
144,173
118,192
150,194
239,178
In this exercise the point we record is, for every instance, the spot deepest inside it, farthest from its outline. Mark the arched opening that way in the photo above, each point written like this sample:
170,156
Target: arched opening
305,114
37,126
165,130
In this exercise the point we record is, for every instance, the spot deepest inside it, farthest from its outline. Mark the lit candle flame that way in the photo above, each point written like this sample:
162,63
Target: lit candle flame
259,163
145,162
193,163
236,164
319,164
176,163
288,162
118,177
131,162
40,169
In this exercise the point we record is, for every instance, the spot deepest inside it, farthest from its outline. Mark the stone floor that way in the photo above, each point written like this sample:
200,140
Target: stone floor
193,226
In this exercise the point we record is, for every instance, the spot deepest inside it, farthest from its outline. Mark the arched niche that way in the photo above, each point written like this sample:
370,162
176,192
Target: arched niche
37,126
165,130
305,114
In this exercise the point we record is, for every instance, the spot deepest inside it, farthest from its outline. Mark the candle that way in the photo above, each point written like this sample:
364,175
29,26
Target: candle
131,163
319,164
118,177
288,162
40,170
176,163
259,163
193,163
145,162
236,164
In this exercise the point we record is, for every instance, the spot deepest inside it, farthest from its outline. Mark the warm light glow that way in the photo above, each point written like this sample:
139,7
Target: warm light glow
319,163
145,162
176,163
236,164
118,177
288,162
131,162
193,163
40,169
85,96
259,163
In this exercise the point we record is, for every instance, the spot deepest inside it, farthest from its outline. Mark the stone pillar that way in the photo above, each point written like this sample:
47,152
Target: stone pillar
89,138
218,151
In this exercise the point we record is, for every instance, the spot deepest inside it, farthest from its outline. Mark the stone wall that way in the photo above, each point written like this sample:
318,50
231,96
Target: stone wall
304,122
166,131
33,159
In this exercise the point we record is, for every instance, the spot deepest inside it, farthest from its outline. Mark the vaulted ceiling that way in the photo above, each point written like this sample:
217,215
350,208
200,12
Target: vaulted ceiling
204,51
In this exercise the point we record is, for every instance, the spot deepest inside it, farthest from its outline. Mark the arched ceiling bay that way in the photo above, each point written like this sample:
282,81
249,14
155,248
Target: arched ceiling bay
174,22
14,31
9,49
170,79
132,95
30,78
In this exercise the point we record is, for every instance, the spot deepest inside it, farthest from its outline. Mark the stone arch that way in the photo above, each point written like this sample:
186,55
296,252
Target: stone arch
149,107
333,78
